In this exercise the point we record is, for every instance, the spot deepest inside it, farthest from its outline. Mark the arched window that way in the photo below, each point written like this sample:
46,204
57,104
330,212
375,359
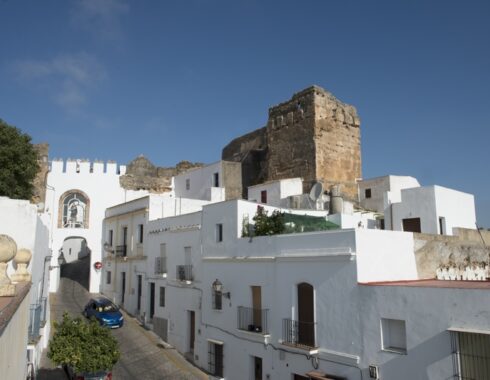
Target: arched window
73,210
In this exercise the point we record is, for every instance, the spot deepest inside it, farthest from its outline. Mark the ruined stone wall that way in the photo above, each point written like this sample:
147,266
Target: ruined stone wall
337,143
432,251
232,179
39,183
290,139
250,150
313,136
141,174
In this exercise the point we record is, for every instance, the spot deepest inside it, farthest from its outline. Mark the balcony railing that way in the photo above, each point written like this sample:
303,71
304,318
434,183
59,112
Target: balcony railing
184,272
121,250
160,265
254,320
297,333
34,322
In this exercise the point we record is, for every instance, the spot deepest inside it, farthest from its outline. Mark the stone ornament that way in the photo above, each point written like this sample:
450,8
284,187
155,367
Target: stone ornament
8,249
22,259
466,271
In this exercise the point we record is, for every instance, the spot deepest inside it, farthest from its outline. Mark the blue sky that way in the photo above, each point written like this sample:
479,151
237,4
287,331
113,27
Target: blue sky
178,80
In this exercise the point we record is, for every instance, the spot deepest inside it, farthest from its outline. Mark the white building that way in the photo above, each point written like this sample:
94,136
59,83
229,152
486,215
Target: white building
320,305
26,334
78,193
277,193
215,182
407,206
127,254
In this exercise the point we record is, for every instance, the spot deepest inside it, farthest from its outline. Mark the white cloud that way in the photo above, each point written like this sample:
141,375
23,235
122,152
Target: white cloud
102,18
67,78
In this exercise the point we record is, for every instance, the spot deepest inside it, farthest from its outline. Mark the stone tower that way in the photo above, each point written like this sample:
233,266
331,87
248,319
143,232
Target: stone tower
316,137
313,135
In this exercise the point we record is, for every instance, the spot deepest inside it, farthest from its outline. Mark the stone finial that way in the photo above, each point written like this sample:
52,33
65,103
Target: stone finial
8,249
22,259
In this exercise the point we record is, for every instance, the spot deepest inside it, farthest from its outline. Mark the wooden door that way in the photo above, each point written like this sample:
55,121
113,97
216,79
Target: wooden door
257,306
306,317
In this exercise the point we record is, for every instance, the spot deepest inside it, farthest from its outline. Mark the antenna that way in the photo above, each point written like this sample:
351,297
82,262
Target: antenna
316,191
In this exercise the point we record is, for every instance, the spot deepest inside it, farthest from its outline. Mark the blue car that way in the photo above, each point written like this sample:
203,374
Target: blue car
105,312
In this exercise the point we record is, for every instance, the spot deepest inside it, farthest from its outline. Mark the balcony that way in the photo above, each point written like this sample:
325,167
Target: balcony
253,320
35,312
184,273
298,334
161,265
121,250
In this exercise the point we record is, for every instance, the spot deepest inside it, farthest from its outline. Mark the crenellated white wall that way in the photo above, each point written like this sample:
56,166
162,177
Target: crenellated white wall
101,185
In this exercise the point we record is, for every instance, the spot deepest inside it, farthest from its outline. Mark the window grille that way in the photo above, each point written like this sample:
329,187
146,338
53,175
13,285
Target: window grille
215,355
471,355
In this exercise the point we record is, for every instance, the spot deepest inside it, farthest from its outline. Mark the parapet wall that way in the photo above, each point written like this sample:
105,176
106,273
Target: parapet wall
71,166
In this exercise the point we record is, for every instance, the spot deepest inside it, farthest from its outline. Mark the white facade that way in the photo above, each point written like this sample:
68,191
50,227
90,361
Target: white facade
427,209
20,220
438,209
275,193
372,191
97,187
204,183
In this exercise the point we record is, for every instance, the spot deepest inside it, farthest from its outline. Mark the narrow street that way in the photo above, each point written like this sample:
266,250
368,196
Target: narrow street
142,358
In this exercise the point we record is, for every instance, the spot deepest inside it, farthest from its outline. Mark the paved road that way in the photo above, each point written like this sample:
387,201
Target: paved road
142,357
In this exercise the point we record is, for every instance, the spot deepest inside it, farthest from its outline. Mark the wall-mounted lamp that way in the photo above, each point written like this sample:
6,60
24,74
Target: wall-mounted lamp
61,261
108,248
218,288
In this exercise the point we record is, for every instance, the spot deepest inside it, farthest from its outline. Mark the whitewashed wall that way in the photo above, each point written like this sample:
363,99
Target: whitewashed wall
428,313
431,202
276,191
20,220
102,188
200,183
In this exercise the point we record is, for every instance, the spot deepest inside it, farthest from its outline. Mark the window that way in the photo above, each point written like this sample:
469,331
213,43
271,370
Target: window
187,184
111,235
108,277
140,233
216,180
75,207
367,193
217,300
162,296
215,358
263,196
219,232
163,258
470,355
411,225
393,335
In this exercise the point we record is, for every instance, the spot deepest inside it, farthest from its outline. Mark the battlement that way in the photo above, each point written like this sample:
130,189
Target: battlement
83,166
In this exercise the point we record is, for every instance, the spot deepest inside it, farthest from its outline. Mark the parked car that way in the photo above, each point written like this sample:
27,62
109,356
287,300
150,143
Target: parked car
100,375
104,311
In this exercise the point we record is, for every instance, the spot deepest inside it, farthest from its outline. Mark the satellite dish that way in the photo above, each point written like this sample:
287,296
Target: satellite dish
316,191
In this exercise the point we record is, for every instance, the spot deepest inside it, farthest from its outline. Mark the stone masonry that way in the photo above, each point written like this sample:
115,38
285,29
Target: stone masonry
141,174
313,135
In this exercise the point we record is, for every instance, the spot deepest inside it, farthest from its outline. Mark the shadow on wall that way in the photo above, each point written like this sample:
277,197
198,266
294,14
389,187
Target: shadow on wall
74,248
431,359
78,271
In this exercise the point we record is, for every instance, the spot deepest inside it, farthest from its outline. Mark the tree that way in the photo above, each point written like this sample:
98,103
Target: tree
18,163
268,225
85,347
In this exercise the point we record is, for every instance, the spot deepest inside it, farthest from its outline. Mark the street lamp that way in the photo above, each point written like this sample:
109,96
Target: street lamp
218,288
61,261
